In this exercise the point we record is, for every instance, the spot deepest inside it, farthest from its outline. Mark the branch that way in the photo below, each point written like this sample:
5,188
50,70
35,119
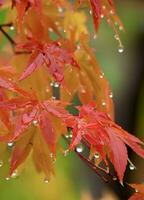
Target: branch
90,164
9,38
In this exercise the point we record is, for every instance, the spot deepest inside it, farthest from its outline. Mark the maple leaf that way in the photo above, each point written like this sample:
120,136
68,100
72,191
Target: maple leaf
102,8
101,134
52,55
23,5
139,194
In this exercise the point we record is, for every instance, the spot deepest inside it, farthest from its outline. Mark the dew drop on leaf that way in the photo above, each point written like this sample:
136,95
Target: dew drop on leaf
121,49
114,178
90,12
55,84
11,28
102,16
97,156
79,148
7,178
35,122
111,95
14,174
46,180
10,144
132,167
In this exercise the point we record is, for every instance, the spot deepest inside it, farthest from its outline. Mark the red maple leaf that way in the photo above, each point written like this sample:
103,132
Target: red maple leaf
105,9
52,55
23,5
101,134
29,111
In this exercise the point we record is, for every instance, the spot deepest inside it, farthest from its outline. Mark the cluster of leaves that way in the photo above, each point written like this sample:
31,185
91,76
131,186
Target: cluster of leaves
54,49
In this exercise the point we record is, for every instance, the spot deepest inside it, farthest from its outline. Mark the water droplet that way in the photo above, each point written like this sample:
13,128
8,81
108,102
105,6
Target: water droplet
51,84
120,28
90,12
46,180
70,135
7,178
103,103
97,156
67,136
132,167
35,122
64,31
55,84
78,47
1,163
79,148
114,178
104,7
50,29
10,144
111,95
11,28
14,174
60,9
111,12
121,49
102,16
56,23
101,75
53,98
136,190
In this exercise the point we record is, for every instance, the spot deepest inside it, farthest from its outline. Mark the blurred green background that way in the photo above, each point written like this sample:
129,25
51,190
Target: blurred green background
73,180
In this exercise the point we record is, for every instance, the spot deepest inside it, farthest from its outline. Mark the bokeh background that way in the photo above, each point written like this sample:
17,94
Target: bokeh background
125,72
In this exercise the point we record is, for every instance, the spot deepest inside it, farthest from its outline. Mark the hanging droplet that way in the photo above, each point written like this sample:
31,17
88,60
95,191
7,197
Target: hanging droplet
114,178
14,174
111,12
111,95
120,28
51,84
35,122
67,136
1,163
50,29
79,148
60,9
55,84
7,178
64,31
90,12
132,167
53,98
121,49
103,7
97,156
103,103
136,190
46,180
11,28
70,136
78,47
101,75
10,144
102,16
